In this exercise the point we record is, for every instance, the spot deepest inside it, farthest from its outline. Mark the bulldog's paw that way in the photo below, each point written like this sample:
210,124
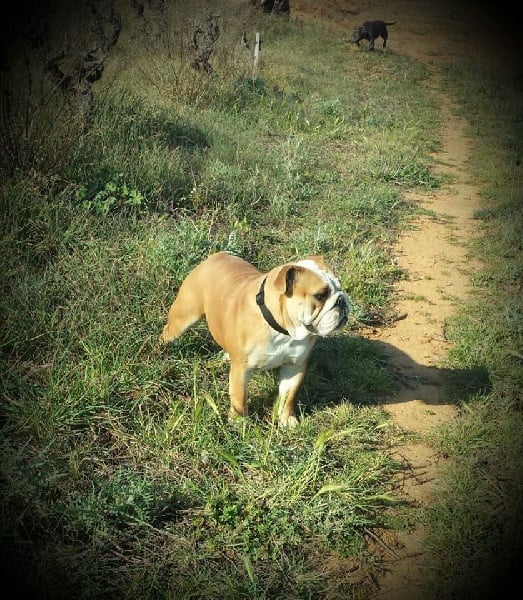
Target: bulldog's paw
165,337
236,416
288,421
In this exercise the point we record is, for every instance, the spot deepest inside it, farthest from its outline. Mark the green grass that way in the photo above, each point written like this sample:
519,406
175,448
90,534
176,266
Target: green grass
121,474
117,454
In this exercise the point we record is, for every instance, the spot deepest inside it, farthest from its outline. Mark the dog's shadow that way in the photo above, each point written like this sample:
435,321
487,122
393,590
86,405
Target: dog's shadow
349,368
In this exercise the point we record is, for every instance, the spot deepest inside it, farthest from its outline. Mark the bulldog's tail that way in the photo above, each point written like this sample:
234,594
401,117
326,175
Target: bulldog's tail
185,310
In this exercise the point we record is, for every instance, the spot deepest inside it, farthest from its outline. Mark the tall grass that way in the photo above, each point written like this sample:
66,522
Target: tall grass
121,474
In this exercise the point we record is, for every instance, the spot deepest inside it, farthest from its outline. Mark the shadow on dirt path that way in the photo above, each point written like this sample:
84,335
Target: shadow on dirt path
433,254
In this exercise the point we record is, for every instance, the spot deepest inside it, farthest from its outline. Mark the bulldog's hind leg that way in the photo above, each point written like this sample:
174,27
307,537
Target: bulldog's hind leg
184,311
239,377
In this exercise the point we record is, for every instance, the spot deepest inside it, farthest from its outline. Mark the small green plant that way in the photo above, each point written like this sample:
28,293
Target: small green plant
236,239
116,196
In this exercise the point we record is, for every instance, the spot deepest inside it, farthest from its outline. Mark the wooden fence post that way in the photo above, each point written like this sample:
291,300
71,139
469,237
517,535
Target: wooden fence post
256,54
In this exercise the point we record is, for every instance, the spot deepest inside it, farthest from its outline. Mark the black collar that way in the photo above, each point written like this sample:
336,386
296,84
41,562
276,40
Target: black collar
267,315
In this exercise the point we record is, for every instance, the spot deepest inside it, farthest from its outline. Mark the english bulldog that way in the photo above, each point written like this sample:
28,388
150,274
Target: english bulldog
261,320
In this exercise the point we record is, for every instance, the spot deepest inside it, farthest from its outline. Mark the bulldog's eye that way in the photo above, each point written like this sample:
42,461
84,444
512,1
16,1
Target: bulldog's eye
323,295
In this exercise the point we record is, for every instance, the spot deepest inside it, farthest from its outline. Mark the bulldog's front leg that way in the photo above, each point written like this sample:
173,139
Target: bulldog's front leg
291,377
239,377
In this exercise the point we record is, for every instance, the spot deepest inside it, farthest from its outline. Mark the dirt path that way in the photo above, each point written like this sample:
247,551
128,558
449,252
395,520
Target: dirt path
433,254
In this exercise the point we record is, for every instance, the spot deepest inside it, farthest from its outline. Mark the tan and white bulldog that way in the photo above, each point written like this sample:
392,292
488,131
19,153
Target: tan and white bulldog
261,320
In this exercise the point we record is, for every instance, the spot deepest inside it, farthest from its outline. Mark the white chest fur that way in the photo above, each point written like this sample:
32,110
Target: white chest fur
281,350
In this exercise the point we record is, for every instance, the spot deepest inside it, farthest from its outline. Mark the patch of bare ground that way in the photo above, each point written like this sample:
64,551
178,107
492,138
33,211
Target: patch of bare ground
432,254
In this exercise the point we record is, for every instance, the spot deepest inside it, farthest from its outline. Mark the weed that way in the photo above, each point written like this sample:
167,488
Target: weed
115,196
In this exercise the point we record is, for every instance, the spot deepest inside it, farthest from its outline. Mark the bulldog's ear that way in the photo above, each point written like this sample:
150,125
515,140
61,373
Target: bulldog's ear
319,260
286,278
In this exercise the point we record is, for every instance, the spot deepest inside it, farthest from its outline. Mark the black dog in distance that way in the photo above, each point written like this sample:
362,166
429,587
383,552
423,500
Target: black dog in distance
370,30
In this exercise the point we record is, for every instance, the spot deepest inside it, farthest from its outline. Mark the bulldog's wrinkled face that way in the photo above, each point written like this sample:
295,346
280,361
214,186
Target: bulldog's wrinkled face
315,302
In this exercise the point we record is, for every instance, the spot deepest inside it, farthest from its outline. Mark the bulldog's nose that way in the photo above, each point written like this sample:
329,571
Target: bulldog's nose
340,302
